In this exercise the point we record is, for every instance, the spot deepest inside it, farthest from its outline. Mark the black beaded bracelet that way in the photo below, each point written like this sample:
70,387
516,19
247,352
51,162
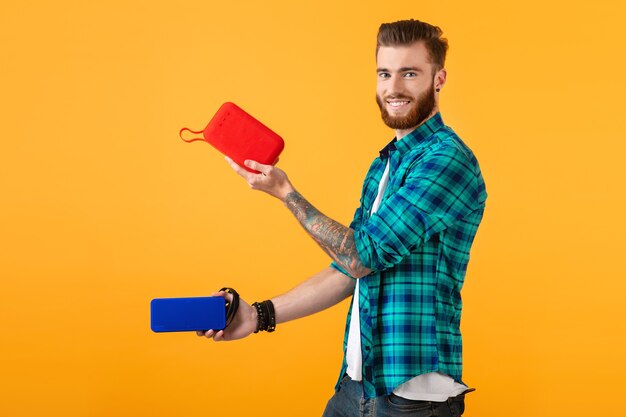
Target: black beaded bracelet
259,317
266,317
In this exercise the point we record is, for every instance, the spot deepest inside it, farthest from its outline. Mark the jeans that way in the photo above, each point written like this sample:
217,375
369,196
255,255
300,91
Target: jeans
349,402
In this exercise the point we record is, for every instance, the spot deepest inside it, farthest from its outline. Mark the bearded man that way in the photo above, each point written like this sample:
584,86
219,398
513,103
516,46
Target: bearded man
404,256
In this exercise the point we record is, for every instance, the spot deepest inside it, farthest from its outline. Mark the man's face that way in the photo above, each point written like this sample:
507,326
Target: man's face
404,87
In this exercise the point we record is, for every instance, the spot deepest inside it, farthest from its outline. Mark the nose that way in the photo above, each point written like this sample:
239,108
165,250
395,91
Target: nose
396,85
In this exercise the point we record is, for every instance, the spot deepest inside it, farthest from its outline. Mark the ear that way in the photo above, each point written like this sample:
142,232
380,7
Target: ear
440,79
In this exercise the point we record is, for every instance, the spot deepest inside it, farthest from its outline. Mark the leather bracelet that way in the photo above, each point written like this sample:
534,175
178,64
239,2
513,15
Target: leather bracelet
271,322
266,317
232,306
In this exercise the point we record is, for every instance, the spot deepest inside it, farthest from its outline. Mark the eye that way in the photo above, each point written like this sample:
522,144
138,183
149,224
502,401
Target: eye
383,75
410,75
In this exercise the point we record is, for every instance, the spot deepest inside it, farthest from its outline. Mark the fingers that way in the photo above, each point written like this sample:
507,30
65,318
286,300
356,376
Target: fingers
251,178
248,176
212,334
257,166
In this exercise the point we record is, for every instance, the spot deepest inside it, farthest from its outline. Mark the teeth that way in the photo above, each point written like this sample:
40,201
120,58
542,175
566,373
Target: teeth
397,103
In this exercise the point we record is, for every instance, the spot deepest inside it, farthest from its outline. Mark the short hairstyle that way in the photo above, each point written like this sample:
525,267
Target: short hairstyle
407,32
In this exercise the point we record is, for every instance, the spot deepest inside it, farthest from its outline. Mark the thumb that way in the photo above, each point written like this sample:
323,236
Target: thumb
224,294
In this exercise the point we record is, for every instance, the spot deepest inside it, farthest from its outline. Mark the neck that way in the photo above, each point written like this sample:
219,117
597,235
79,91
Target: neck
400,133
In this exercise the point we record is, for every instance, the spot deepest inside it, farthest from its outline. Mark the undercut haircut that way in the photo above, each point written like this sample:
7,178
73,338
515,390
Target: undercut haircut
407,32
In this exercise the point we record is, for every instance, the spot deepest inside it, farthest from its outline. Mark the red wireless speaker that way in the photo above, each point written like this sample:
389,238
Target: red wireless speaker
240,136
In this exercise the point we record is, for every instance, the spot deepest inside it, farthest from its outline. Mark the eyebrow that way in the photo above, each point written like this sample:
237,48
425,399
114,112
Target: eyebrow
403,69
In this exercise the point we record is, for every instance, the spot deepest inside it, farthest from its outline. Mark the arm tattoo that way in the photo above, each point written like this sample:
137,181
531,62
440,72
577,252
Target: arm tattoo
335,239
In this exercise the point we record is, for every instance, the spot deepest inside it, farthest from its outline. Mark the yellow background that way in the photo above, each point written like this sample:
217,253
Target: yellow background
103,208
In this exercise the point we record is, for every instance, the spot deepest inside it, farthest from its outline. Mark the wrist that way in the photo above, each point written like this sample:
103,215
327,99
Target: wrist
287,189
253,317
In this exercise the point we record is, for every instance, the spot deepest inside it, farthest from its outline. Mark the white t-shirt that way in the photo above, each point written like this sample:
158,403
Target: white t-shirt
432,386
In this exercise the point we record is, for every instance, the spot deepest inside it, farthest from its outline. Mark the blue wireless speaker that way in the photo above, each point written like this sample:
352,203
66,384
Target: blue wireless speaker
187,314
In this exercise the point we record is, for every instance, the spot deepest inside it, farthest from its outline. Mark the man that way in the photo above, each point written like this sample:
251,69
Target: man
404,255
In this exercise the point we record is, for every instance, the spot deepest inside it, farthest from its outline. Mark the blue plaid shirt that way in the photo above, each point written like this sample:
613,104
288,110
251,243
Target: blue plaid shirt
417,245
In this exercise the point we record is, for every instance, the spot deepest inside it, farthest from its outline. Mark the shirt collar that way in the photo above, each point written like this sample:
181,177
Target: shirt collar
419,137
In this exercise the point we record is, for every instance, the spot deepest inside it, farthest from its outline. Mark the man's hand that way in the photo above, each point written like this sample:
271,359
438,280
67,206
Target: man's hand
271,180
243,325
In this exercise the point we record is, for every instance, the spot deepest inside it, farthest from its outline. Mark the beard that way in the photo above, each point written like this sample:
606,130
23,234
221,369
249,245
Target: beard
421,107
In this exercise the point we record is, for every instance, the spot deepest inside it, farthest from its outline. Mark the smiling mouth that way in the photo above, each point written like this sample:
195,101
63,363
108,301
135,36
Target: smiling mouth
396,104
